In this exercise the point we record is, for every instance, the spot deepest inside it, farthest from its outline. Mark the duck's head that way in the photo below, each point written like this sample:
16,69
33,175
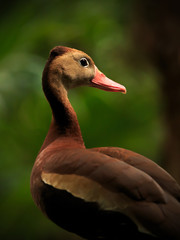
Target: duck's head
70,68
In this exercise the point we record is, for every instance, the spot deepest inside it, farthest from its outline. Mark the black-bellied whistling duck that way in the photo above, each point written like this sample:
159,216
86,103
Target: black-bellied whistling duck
99,193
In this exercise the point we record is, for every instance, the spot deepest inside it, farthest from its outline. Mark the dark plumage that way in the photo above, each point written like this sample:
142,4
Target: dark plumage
100,193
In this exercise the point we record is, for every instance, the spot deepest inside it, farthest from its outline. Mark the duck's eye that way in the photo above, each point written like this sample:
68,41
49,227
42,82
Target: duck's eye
84,62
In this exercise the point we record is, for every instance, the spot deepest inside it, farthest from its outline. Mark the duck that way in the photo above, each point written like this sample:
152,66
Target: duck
104,192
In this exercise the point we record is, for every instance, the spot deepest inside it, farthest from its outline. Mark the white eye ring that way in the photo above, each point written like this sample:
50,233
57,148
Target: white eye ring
84,62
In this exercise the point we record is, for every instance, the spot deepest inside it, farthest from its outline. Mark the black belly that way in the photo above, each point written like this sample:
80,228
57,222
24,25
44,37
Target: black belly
86,218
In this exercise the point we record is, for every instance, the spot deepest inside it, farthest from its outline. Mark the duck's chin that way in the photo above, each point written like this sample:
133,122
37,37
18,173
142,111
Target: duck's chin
102,82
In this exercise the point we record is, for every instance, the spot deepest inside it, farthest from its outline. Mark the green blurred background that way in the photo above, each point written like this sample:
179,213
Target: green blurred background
118,36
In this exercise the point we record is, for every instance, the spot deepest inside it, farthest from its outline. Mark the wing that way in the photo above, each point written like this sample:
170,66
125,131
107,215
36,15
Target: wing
165,180
109,173
114,185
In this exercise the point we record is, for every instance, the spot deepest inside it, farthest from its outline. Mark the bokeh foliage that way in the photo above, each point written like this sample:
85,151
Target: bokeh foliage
103,30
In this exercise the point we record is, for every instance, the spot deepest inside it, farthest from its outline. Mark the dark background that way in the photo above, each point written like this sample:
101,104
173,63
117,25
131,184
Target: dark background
136,43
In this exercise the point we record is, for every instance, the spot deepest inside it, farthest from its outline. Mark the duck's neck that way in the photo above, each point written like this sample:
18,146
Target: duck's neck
64,124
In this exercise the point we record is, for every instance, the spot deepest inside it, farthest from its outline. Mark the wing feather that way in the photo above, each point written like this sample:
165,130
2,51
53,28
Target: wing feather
112,174
164,179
